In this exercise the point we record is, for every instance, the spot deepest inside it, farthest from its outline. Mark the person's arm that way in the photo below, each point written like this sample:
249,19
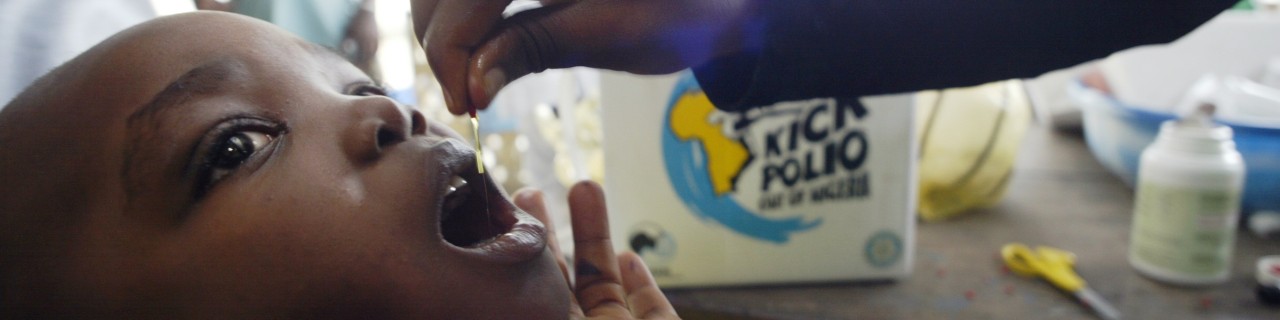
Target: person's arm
752,52
225,5
816,48
360,42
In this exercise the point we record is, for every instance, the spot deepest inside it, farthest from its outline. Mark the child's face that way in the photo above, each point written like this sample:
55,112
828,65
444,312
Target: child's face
237,170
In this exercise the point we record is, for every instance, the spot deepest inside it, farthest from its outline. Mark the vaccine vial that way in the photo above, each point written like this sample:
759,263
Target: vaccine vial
1188,201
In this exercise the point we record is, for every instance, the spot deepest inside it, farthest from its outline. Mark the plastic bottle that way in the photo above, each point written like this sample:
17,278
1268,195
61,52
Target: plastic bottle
1188,202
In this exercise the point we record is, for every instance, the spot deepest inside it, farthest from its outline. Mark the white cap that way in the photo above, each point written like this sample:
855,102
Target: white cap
1265,223
1269,271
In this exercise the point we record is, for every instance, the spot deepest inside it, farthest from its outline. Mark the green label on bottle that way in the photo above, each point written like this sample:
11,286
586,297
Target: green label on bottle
1184,230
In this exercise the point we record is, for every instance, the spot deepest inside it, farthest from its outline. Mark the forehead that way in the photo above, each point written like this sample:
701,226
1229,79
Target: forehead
147,58
166,59
219,57
77,127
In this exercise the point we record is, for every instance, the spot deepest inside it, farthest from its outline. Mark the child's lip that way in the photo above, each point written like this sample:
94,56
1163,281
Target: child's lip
525,241
524,238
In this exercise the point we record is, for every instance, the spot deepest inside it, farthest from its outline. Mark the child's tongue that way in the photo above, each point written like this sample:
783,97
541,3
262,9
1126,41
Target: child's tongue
464,221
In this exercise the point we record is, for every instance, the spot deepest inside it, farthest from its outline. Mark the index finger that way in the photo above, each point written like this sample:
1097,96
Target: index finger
598,284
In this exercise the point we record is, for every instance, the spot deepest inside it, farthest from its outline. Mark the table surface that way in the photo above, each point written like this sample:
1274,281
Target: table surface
1059,196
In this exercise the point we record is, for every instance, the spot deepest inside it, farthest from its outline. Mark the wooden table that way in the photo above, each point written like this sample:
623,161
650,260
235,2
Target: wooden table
1059,196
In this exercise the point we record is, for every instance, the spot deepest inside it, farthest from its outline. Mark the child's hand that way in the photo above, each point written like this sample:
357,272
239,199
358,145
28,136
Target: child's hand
602,290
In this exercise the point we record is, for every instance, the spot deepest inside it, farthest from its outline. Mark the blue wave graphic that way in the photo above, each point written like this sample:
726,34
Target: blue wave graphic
687,168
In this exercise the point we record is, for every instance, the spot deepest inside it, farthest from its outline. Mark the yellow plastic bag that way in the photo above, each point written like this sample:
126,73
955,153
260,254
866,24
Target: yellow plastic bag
969,139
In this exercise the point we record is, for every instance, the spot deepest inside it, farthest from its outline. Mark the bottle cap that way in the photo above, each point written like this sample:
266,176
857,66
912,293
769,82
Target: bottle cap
1269,280
1196,131
1265,223
1269,270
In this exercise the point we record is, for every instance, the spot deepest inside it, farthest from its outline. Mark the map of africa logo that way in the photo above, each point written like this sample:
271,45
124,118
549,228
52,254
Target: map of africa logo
704,164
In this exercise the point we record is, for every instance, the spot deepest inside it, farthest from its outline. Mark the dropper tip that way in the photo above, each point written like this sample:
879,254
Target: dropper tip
1206,109
1202,116
475,133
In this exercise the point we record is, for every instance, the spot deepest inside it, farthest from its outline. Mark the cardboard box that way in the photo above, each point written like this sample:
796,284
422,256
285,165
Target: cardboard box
804,191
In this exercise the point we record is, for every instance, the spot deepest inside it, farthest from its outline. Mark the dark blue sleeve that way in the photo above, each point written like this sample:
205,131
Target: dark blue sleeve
819,48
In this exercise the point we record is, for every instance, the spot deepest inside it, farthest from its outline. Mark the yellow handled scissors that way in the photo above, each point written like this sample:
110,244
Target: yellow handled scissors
1055,265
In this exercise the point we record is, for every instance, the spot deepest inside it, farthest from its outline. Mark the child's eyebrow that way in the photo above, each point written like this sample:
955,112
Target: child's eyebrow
208,78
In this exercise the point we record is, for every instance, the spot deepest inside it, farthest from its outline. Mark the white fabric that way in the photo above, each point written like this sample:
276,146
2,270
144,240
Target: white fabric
38,35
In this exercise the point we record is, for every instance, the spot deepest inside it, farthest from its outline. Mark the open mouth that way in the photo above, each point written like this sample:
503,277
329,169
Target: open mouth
473,211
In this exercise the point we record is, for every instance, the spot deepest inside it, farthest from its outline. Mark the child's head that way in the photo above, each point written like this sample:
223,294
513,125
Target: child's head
209,165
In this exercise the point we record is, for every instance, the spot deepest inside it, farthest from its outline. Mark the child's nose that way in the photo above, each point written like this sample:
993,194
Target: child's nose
379,123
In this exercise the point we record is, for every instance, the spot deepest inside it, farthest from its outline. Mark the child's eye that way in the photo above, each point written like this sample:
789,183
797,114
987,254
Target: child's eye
237,148
366,89
237,143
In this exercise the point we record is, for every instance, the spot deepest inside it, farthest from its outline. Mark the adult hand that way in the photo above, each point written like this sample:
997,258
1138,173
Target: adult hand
449,30
602,289
362,36
474,52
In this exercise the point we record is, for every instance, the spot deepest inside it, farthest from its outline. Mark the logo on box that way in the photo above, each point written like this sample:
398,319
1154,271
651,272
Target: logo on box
763,173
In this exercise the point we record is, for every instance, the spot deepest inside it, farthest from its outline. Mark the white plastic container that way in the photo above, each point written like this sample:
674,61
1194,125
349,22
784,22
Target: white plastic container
1188,201
1156,76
